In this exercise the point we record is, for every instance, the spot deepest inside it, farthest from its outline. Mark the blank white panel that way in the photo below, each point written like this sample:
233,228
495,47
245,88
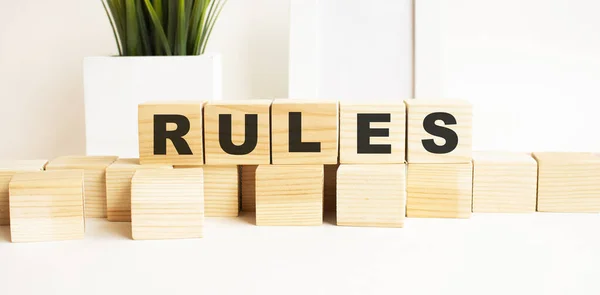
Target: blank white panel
351,50
531,68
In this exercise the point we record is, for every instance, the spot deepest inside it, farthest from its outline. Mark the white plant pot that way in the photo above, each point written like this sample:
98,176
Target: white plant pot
114,86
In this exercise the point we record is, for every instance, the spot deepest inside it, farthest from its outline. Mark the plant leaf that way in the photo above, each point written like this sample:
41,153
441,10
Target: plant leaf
112,25
195,21
132,28
209,5
146,44
158,29
158,9
201,27
181,29
172,23
212,24
117,9
188,14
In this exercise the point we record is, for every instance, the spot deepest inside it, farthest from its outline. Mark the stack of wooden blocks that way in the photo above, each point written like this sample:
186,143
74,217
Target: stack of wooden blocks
439,169
373,164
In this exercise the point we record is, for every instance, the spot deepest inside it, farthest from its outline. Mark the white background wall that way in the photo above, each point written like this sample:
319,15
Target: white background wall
42,44
531,69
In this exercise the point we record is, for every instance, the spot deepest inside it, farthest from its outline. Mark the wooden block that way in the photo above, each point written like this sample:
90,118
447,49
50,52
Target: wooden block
221,190
95,179
439,190
371,195
304,132
504,182
170,133
249,188
167,204
289,195
438,131
221,193
47,206
221,196
568,182
243,138
8,168
330,186
118,187
372,133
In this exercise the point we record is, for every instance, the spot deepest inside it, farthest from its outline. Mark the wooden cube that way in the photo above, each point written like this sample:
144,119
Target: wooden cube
167,204
118,187
249,188
171,133
330,186
371,195
289,195
221,195
568,182
47,206
438,131
504,182
304,132
9,168
439,190
372,133
237,132
95,179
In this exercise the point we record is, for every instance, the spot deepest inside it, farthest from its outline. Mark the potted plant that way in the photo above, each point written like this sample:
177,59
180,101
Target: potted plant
161,45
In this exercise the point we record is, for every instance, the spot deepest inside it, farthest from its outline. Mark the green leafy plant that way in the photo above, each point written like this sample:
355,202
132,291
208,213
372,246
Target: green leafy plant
162,27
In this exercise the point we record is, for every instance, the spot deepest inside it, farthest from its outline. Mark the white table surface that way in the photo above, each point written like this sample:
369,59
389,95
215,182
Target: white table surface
539,253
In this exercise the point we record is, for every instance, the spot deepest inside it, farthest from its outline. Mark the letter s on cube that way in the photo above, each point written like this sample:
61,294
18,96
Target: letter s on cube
170,133
438,131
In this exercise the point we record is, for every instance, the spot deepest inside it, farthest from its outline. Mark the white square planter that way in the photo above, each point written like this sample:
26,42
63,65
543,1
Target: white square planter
114,86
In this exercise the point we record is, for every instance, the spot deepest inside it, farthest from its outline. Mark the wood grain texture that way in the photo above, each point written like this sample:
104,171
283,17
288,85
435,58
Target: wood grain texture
330,186
249,188
504,182
118,187
8,168
568,182
439,190
94,176
396,128
319,124
167,204
47,206
192,111
221,193
371,195
417,110
238,110
289,195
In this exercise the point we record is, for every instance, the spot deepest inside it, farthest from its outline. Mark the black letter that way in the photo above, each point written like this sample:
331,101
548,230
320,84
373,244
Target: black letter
250,137
295,139
448,134
176,136
364,132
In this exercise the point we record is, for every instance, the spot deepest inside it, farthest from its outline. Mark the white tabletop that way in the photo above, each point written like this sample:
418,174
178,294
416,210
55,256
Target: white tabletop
487,254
